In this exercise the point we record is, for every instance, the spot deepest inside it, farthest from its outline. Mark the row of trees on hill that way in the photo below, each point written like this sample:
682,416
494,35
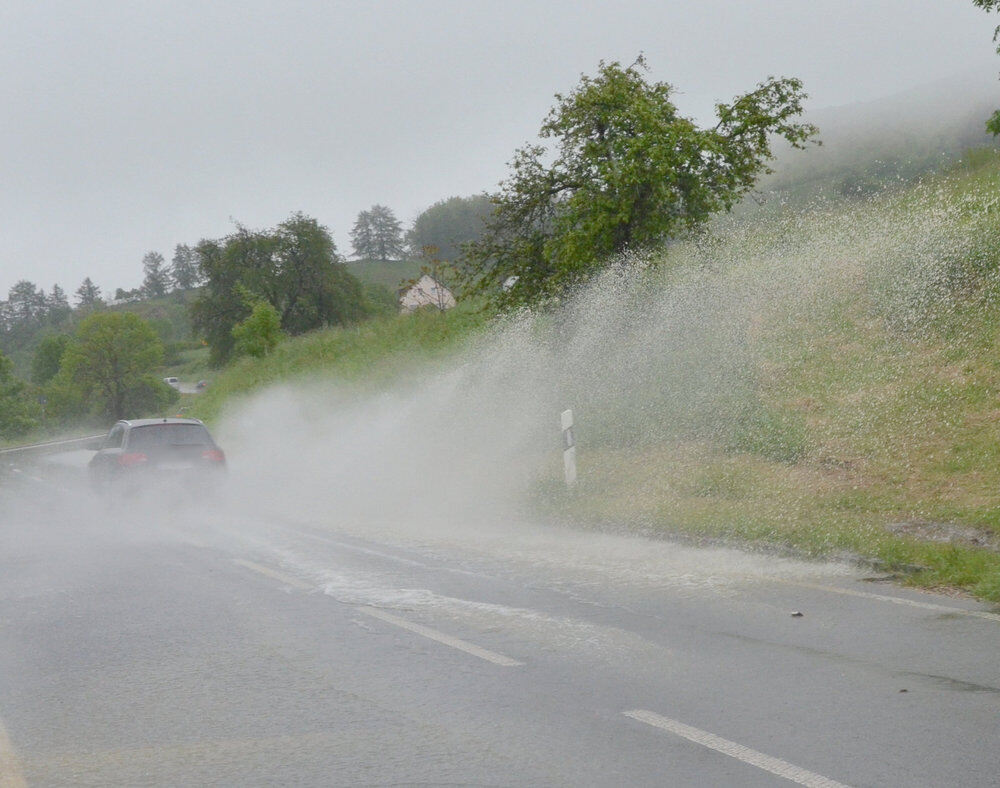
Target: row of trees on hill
294,269
377,235
30,312
28,307
618,170
159,278
28,304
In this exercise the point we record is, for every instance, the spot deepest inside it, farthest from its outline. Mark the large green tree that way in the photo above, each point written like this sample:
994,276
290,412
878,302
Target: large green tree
295,268
377,235
625,171
448,224
109,365
993,124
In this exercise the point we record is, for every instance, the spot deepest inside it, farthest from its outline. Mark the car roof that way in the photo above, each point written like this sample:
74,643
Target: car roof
148,422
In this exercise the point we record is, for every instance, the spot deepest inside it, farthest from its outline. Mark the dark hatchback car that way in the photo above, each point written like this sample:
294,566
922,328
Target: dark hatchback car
143,452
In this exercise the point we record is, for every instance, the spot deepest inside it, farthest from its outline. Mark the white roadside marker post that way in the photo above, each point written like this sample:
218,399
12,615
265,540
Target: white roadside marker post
569,448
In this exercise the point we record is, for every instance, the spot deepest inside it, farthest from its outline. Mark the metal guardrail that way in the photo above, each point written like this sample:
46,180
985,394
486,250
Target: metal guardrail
50,447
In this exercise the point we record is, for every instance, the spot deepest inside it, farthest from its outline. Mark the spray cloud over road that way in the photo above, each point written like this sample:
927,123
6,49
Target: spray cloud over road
680,353
692,354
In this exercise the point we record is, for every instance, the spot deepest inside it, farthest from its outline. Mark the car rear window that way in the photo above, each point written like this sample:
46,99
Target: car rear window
155,435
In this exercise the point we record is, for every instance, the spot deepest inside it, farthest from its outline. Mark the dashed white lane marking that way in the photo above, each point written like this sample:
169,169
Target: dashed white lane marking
281,577
768,763
10,766
896,600
402,623
441,637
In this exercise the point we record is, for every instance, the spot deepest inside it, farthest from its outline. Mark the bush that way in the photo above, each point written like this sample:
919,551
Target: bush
259,334
380,299
48,357
19,412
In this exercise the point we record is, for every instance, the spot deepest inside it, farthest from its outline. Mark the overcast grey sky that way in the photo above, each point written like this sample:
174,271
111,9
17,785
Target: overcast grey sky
131,126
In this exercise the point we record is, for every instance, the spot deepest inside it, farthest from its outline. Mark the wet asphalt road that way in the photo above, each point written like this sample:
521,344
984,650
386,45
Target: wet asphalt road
221,647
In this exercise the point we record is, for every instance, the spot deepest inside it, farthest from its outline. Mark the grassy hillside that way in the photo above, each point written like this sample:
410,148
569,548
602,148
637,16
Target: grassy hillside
827,382
373,352
863,412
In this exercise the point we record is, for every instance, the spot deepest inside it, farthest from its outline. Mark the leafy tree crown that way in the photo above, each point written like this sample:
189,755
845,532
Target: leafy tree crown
109,364
87,294
448,225
294,267
377,235
157,278
623,171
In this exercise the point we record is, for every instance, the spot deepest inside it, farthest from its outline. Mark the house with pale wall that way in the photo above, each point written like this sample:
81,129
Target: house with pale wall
426,291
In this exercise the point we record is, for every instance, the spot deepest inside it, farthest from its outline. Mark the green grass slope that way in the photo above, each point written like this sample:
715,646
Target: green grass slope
371,353
870,419
835,390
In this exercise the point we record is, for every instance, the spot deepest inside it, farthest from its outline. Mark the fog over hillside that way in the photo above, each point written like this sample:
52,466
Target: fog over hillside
870,144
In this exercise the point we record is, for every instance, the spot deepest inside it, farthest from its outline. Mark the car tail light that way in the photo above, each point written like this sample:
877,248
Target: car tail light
214,455
132,458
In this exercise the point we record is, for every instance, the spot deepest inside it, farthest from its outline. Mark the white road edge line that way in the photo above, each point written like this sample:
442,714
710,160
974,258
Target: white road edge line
281,577
768,763
441,637
896,600
11,775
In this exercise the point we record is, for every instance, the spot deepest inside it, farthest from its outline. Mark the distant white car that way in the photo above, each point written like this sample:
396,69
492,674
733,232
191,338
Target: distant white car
172,382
